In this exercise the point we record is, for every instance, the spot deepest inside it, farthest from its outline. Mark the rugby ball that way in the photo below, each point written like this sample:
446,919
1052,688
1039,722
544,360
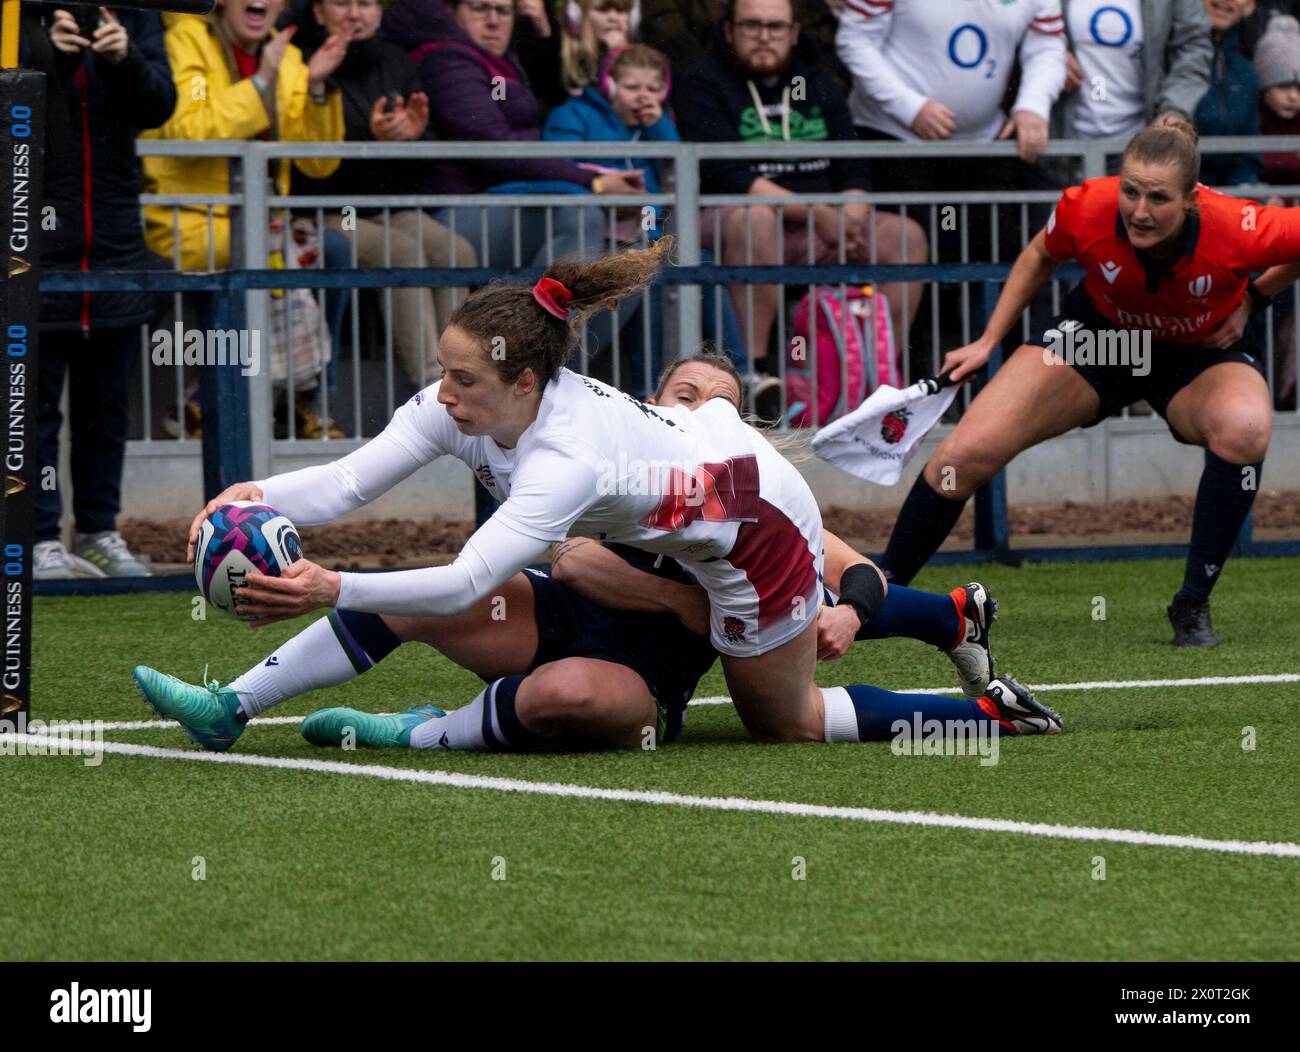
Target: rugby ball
236,538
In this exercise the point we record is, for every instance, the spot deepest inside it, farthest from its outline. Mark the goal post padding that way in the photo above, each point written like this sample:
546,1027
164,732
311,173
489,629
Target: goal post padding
22,140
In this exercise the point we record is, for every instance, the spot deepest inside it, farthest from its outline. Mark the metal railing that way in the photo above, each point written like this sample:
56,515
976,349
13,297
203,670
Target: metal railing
248,285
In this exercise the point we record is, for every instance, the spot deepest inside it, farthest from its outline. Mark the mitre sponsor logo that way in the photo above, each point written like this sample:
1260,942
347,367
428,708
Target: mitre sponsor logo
1163,325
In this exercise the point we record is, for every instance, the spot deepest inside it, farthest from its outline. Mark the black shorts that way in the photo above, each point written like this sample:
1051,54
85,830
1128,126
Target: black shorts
1173,365
657,647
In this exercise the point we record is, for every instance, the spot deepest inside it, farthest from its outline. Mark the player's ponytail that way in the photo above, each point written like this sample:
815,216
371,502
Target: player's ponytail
602,283
536,326
1172,141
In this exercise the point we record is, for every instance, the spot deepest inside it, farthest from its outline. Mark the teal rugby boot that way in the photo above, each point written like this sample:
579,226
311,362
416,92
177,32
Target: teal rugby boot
334,726
206,712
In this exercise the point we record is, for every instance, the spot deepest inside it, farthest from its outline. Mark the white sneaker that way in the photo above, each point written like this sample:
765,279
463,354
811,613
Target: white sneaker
53,562
108,554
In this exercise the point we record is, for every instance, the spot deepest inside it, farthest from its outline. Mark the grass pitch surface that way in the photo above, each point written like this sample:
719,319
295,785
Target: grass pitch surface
307,864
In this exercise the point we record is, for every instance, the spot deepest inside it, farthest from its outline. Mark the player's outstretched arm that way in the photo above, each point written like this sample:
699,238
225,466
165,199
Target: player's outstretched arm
598,574
1032,270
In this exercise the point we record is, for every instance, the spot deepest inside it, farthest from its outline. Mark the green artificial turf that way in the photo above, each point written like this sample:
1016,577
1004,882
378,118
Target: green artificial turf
303,865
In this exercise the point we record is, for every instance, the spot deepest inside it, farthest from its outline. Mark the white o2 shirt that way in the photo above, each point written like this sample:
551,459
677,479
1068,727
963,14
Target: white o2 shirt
1108,39
957,52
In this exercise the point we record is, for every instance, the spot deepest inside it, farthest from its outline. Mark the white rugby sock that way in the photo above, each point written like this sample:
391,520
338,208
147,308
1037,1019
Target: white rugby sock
312,659
841,719
459,729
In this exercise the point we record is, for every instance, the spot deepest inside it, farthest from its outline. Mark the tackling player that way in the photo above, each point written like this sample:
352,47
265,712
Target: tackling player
564,669
1167,262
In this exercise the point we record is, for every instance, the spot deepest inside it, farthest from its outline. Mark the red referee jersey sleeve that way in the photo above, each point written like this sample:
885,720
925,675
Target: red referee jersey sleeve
1061,225
1277,236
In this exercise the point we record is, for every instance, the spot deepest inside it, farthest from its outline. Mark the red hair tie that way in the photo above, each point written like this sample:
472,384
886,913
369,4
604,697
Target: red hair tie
553,297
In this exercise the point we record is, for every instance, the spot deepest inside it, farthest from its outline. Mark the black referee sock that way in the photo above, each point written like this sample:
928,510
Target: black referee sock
1223,501
924,521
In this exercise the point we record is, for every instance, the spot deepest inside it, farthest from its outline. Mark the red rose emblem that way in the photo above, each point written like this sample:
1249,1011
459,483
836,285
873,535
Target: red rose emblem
894,426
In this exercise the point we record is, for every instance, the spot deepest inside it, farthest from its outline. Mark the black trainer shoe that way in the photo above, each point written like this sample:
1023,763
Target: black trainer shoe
1191,621
971,653
1017,710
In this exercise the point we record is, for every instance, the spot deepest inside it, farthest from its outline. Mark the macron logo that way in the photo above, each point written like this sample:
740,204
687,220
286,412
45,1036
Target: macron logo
271,662
102,1006
1110,271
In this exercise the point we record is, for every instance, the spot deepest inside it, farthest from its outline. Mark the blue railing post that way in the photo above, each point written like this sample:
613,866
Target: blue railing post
223,391
992,530
223,398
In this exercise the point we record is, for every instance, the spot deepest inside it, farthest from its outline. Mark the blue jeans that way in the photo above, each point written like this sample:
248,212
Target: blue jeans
99,370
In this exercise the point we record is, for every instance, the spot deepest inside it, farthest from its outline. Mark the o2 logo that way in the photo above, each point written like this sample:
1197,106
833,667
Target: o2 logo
960,49
21,127
1113,27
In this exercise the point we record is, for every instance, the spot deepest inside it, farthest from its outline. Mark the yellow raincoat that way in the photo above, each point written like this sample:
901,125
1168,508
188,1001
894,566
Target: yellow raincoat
213,105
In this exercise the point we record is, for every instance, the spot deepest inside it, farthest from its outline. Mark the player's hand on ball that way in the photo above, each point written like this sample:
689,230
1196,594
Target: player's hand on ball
304,586
964,362
239,491
837,627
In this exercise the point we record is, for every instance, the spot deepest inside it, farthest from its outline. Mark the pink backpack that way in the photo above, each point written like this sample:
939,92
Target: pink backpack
861,339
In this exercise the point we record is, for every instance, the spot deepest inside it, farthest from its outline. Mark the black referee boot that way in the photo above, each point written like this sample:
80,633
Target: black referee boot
1191,621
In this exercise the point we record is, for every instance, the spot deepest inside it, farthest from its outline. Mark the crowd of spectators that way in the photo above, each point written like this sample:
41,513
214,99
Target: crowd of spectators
622,71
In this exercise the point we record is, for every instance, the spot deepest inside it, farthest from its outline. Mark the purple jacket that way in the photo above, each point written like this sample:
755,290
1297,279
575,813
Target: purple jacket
458,78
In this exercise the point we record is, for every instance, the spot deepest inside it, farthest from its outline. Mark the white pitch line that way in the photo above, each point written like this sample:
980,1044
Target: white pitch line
710,803
1101,684
722,699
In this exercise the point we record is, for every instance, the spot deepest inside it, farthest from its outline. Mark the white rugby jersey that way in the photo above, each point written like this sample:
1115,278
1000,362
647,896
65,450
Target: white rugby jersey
595,463
1107,39
957,52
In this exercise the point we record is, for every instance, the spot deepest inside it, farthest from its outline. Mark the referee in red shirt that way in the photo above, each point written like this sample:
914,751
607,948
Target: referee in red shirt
1168,262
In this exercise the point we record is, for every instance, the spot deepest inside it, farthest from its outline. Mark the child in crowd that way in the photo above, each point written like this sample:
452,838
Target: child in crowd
1277,64
626,103
593,28
1231,105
